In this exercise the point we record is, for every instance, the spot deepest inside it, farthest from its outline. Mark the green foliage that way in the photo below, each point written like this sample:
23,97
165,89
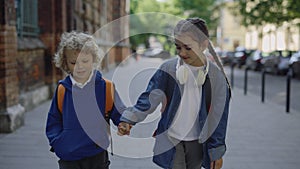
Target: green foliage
205,9
260,12
181,8
140,24
294,9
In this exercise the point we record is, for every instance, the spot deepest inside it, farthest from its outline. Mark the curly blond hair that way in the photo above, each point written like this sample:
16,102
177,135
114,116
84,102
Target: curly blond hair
76,41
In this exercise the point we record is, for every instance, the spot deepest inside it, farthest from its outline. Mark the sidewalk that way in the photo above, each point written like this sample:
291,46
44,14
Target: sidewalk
259,136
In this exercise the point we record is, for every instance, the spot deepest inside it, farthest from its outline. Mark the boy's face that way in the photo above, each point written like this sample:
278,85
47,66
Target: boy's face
80,64
189,49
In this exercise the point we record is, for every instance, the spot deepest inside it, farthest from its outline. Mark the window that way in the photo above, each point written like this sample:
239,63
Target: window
27,18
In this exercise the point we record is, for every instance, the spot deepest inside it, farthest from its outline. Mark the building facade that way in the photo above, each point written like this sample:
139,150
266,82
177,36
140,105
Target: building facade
230,33
266,37
30,31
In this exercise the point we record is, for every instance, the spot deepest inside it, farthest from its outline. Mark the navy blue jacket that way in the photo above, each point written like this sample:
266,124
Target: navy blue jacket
164,88
80,131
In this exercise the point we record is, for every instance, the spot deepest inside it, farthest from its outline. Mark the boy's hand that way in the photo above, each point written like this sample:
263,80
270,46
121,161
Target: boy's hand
124,128
216,164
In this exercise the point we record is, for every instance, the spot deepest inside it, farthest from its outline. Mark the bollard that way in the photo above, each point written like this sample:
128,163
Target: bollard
288,90
246,81
232,74
263,86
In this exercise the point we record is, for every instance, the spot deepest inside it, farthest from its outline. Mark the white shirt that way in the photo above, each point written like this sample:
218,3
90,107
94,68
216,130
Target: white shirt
185,125
81,85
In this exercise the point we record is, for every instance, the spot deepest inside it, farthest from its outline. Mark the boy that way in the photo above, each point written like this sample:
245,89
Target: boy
78,131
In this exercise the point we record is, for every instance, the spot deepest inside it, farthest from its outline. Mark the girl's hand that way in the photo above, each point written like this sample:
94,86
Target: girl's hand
216,164
124,128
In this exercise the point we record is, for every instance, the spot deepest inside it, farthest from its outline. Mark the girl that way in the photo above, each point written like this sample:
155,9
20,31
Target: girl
195,94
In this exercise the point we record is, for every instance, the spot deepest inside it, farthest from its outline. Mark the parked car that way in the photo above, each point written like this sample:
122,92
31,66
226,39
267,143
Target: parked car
156,53
226,57
277,62
254,60
240,56
294,63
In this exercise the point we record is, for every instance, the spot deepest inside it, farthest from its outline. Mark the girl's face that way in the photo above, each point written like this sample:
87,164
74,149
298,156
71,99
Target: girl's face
189,50
80,64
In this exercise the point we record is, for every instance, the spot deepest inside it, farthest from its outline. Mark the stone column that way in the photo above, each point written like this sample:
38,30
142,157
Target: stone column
11,112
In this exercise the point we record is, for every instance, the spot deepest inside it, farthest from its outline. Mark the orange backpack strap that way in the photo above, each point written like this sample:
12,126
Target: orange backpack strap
60,97
109,96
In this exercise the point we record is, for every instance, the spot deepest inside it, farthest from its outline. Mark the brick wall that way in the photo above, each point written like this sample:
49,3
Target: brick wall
26,67
30,69
11,112
52,23
8,53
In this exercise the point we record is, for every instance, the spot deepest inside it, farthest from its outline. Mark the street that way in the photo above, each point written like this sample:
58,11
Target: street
275,86
259,135
128,41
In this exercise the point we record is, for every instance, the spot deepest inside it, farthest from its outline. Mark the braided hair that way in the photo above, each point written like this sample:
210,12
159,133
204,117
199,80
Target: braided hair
197,27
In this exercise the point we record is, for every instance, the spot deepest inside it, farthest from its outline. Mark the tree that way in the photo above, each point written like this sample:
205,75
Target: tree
260,12
139,23
205,9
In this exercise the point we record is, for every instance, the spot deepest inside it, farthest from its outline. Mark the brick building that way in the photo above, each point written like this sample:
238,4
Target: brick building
29,36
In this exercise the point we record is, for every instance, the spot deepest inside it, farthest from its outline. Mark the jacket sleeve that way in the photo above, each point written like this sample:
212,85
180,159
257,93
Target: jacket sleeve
216,143
148,100
118,108
54,124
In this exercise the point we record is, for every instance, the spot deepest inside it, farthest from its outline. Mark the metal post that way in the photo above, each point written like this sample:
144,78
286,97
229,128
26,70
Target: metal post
288,90
263,86
232,75
246,80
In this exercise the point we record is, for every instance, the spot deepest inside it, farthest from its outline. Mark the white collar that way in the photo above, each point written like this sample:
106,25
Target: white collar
81,85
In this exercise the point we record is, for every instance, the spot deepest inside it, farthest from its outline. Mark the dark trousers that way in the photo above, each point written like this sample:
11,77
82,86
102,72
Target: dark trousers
189,155
99,161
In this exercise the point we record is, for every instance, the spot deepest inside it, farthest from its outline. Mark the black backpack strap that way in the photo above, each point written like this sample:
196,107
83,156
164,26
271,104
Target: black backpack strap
207,91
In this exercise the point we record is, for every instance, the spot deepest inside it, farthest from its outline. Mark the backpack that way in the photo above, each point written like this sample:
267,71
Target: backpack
108,105
207,88
109,100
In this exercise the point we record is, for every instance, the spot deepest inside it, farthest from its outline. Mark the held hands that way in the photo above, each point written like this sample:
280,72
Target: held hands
216,164
124,128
